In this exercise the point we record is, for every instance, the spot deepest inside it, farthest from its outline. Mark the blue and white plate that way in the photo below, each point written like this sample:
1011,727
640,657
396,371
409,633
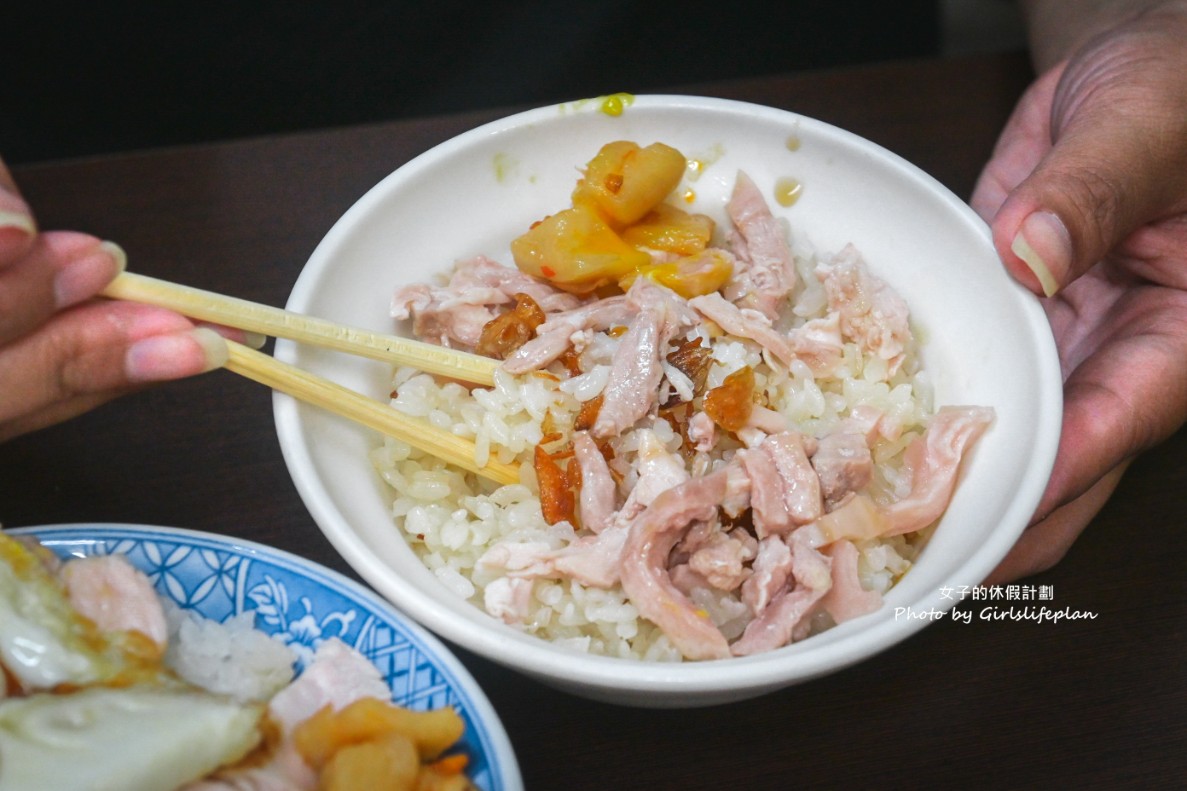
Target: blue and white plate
304,603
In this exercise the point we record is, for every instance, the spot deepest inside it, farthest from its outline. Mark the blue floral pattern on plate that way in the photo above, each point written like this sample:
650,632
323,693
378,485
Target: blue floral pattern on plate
304,604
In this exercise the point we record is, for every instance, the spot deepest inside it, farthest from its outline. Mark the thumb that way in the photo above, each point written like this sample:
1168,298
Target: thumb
17,227
1118,158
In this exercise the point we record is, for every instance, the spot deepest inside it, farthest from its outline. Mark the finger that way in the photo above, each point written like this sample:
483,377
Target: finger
94,352
1024,140
1124,396
60,269
1119,160
1045,543
17,227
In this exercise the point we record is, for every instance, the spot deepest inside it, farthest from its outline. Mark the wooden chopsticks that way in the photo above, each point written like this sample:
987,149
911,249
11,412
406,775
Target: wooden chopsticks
316,390
279,323
343,401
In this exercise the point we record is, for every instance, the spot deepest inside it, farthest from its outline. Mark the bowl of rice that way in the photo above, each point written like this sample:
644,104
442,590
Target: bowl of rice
770,400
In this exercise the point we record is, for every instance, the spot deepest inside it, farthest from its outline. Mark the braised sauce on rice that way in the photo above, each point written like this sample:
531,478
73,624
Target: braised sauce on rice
726,440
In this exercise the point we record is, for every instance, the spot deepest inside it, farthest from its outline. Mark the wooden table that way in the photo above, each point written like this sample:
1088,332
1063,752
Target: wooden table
1097,703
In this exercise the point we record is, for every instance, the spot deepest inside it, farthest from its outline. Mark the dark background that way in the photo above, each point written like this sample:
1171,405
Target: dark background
85,79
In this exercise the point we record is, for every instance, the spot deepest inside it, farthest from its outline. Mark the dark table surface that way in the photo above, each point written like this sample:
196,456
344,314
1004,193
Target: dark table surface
1098,702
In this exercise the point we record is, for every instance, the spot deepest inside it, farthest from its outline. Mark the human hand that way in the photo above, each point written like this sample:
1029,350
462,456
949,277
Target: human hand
63,352
1086,194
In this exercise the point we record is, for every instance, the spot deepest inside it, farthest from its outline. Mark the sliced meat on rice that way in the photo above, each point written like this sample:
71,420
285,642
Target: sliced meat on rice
844,465
439,317
766,492
502,283
719,557
870,311
767,273
599,493
800,485
745,324
771,570
645,576
847,599
934,461
636,371
785,618
454,314
784,489
819,344
555,336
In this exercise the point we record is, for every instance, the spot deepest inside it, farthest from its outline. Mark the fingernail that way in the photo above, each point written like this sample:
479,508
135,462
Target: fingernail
117,254
18,221
253,340
163,357
86,277
1043,244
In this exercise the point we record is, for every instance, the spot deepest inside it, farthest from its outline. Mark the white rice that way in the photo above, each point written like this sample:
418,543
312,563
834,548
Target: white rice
230,658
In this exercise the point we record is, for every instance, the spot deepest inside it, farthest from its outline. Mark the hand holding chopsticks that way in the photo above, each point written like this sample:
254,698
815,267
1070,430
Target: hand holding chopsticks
288,379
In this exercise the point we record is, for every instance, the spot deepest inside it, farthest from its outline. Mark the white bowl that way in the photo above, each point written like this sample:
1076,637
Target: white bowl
987,342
